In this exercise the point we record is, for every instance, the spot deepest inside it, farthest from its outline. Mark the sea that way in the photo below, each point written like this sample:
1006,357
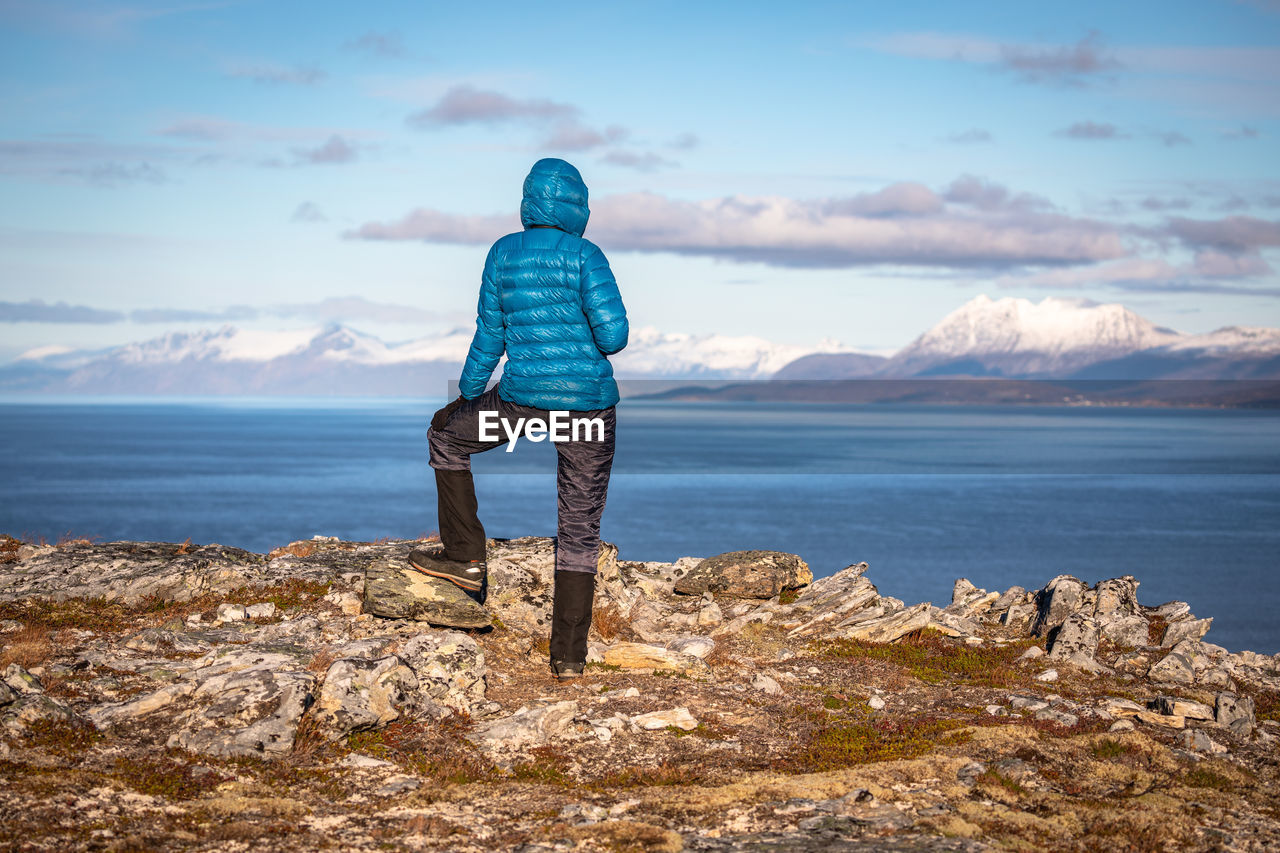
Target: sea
1186,500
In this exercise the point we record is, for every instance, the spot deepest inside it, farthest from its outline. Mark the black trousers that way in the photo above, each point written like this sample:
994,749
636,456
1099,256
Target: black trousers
582,479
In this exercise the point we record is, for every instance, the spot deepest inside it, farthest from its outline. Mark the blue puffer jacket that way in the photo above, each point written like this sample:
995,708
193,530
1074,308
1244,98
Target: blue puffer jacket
548,299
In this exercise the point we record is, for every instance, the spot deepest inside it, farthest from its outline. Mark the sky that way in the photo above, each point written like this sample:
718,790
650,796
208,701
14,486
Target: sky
797,172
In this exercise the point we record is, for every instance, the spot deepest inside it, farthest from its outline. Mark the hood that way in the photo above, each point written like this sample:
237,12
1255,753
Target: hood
555,195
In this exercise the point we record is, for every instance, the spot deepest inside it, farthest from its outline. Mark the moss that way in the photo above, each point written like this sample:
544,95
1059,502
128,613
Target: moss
1107,749
548,766
434,750
65,738
171,775
670,673
936,659
834,745
1203,777
993,778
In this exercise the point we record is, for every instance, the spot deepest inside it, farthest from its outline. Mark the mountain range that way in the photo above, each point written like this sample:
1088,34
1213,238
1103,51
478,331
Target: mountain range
1011,338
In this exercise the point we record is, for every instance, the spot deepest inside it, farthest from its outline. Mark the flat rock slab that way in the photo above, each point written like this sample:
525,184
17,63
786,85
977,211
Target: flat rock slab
746,574
395,590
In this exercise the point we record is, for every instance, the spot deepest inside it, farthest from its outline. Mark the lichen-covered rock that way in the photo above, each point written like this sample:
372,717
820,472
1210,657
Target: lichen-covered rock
1076,642
450,670
359,693
746,574
526,728
1235,712
395,590
1059,598
894,626
247,702
1185,629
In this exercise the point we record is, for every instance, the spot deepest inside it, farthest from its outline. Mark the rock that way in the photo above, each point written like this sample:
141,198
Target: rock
1235,712
1198,741
1018,616
1075,641
395,591
746,574
1053,715
709,614
1154,719
450,669
364,762
399,784
1048,675
1059,598
1032,653
644,656
526,727
1117,599
1174,668
876,703
1173,706
1121,726
7,694
1189,629
227,612
886,629
153,640
678,717
20,681
359,693
765,684
17,716
1126,630
832,600
698,647
265,610
105,716
248,702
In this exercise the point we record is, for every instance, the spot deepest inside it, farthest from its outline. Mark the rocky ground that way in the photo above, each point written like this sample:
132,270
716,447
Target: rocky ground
171,696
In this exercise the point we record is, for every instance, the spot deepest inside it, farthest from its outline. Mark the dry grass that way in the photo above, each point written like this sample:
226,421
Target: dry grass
321,662
29,646
296,549
9,549
610,622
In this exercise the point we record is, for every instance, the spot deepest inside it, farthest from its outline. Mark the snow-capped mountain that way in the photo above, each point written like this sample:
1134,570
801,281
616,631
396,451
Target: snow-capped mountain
653,354
1018,337
1055,338
342,360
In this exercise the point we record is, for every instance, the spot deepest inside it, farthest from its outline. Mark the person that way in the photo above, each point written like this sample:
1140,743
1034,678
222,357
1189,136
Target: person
549,301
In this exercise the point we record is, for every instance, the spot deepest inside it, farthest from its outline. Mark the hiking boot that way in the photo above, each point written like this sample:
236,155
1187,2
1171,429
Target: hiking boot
470,576
565,670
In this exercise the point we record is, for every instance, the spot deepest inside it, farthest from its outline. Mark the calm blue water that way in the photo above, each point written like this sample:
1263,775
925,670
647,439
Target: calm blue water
1186,500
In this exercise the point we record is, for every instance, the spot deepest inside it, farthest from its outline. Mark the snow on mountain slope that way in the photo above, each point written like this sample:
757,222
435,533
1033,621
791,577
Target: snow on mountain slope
651,353
1018,337
1232,340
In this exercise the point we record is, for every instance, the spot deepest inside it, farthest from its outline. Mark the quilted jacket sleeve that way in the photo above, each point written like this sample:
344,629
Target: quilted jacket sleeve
602,302
490,341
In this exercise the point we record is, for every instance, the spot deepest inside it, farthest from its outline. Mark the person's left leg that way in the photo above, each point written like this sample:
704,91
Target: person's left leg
451,446
582,485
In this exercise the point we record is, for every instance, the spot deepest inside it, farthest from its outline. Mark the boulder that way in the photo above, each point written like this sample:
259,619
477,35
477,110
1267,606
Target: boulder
1059,598
1235,712
1174,706
394,590
746,574
654,720
1130,631
1174,668
450,670
1075,641
645,656
252,712
359,693
894,626
526,728
1186,629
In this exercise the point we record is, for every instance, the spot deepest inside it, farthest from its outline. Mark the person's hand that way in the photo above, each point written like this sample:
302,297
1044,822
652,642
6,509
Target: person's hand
440,418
